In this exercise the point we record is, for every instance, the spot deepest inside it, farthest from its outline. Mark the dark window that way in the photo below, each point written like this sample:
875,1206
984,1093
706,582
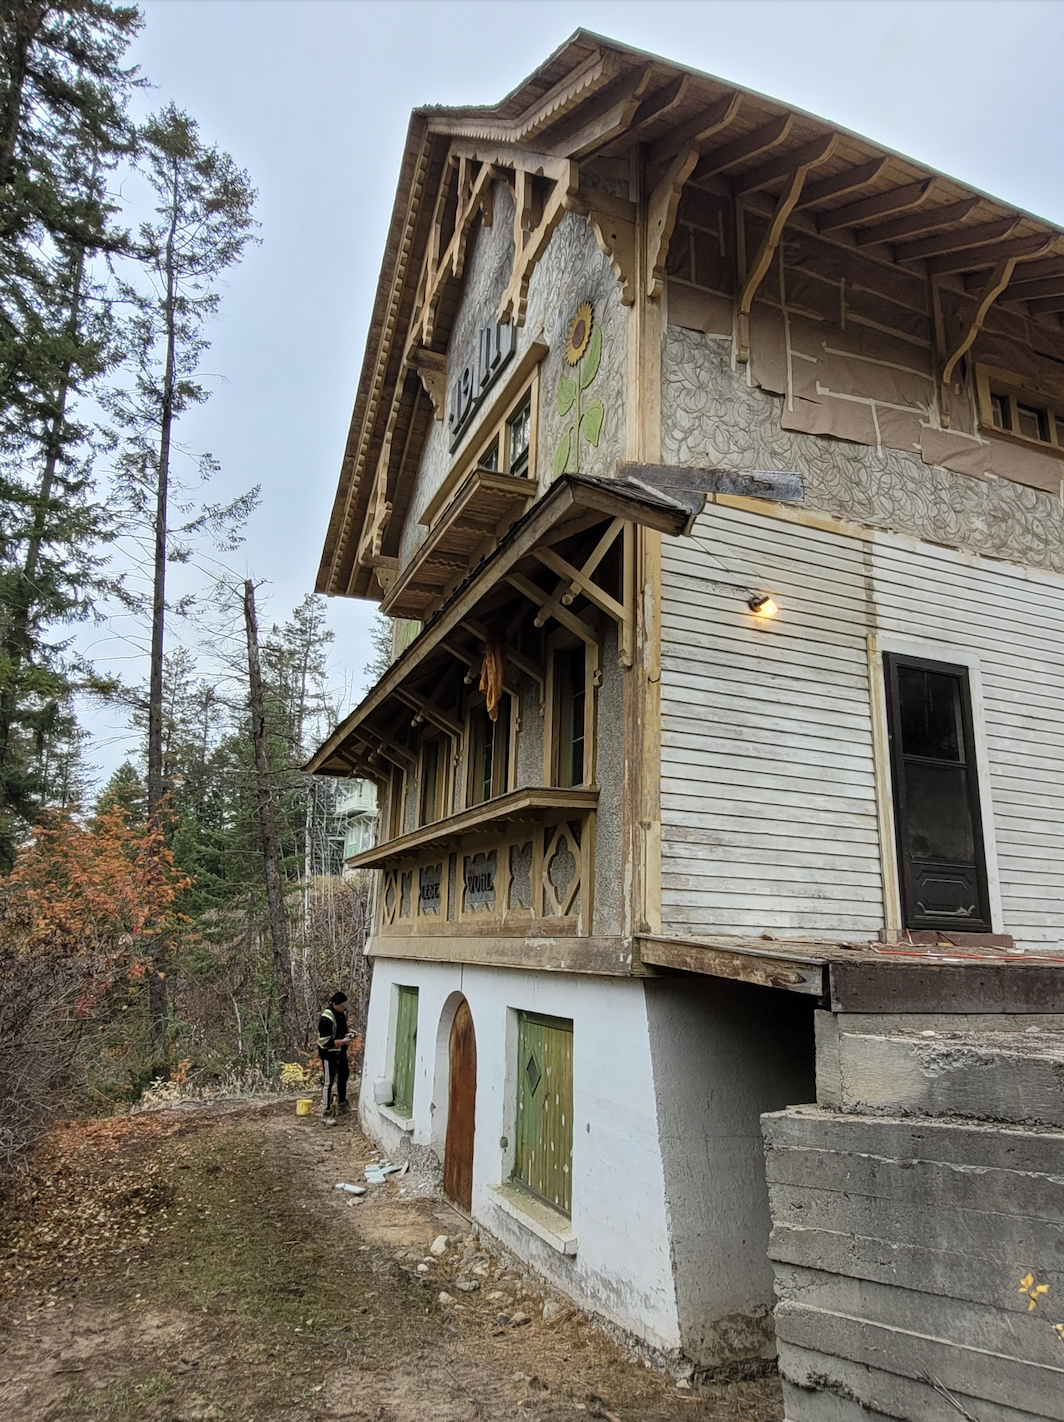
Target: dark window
518,430
490,458
936,796
1002,411
489,753
1032,423
570,697
434,768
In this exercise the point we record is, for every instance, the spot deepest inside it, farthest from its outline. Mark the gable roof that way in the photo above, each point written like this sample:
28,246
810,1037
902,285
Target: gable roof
595,99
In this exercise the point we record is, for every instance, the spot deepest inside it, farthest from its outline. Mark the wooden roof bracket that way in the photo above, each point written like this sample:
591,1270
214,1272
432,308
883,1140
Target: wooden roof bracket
613,221
561,614
995,284
661,217
785,205
578,580
431,369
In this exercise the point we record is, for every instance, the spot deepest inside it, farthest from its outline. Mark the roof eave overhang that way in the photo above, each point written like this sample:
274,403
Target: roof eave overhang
570,495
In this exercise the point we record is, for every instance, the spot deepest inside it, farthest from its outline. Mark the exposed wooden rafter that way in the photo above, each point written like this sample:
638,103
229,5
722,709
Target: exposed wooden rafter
745,148
959,241
850,180
809,155
1046,305
698,130
561,614
880,205
605,116
925,219
1027,290
975,258
651,111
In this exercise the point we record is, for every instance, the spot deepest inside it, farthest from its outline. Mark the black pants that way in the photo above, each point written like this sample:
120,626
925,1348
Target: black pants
334,1072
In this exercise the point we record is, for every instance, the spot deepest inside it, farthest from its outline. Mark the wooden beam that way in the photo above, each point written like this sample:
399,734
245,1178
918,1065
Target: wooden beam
700,129
881,205
602,118
966,237
562,614
979,257
474,664
577,581
839,184
1046,305
520,661
925,220
428,712
662,207
784,207
998,281
658,106
809,155
742,150
1027,290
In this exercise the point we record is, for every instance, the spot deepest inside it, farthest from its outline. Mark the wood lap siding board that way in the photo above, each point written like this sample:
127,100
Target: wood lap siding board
405,1051
768,795
768,784
1014,623
544,1135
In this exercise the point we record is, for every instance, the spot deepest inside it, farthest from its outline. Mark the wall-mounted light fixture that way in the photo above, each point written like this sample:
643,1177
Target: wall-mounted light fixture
762,604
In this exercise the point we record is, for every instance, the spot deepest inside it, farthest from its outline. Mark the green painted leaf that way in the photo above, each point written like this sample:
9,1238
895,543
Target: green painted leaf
591,423
592,359
566,394
561,456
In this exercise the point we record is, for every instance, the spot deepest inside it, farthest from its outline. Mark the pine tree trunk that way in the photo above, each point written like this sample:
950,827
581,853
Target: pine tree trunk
158,995
282,949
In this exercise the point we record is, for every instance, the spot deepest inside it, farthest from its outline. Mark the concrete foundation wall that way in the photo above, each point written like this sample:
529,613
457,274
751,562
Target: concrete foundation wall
910,1237
622,1267
723,1053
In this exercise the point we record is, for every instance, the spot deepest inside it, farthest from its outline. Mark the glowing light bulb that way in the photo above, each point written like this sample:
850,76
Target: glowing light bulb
763,605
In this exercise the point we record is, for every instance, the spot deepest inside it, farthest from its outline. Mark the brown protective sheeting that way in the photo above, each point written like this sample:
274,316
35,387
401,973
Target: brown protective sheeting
492,669
697,310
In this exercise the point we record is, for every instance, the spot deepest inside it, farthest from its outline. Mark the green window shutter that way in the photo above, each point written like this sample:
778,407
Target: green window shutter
405,1049
544,1136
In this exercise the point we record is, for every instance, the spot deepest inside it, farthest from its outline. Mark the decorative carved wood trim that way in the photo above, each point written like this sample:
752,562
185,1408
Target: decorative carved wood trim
613,221
431,370
785,205
661,217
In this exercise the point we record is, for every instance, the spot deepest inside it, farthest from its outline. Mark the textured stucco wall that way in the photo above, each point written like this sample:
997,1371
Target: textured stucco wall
723,1054
622,1268
710,415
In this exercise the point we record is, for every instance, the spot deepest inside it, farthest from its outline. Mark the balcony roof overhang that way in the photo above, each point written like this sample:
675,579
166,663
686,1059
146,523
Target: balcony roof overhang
572,505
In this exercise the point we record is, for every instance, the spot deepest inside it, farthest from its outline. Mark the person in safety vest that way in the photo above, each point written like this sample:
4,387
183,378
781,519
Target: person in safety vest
333,1041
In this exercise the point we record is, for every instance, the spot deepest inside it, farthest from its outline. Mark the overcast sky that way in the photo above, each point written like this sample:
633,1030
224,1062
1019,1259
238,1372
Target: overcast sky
313,98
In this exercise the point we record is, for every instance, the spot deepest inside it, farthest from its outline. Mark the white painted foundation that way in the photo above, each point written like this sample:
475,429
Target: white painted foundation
670,1224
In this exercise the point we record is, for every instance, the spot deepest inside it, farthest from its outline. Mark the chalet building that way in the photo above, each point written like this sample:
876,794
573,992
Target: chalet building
709,461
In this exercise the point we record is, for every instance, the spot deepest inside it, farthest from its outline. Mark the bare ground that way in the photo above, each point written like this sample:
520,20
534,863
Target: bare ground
199,1264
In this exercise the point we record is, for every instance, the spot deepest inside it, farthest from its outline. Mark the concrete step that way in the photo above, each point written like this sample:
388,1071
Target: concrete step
1015,1077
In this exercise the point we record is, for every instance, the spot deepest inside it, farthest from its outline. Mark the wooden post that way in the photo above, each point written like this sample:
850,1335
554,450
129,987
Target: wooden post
282,951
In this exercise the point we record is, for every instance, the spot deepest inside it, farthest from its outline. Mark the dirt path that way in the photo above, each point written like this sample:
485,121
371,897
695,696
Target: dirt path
200,1264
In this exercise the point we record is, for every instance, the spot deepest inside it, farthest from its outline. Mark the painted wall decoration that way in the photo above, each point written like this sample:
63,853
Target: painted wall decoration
583,356
711,416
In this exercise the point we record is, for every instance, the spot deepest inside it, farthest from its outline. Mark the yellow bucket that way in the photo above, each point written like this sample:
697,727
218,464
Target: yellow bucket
304,1105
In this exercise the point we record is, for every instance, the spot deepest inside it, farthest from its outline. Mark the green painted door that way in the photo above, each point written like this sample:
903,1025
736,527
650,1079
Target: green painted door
544,1145
405,1051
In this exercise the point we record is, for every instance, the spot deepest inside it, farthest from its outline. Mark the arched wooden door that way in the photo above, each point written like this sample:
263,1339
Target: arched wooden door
461,1109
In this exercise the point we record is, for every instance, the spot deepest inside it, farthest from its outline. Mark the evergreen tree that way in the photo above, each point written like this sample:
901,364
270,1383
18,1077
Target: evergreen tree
203,222
63,125
124,791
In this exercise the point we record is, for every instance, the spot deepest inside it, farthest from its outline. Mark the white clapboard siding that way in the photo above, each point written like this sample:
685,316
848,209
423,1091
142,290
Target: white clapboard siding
1015,624
768,779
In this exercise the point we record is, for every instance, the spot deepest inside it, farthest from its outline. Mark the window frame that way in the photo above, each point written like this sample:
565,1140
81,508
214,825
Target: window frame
442,745
563,642
891,662
993,384
396,812
504,749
